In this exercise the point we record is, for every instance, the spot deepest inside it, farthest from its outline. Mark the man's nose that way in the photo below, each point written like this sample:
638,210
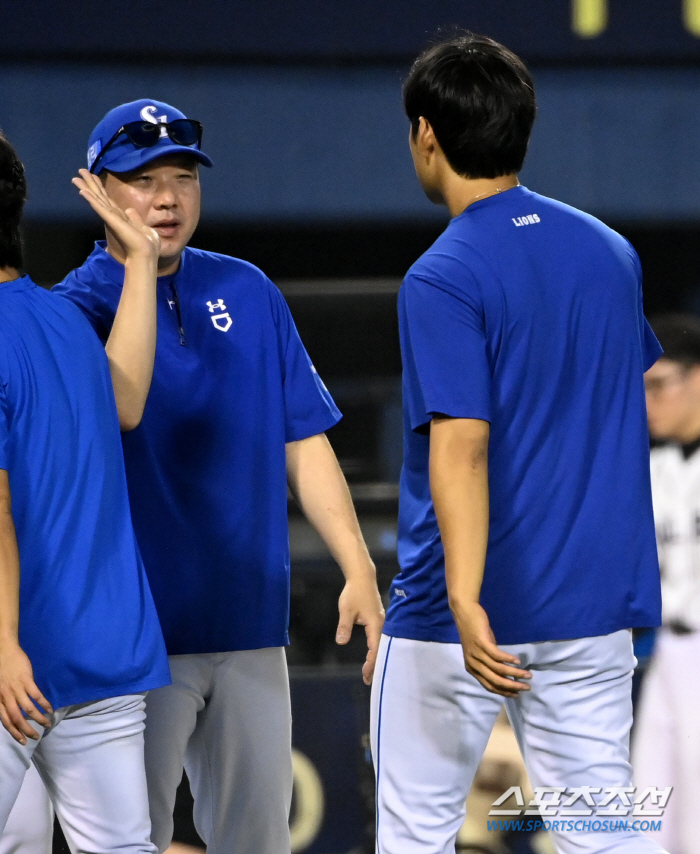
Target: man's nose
165,197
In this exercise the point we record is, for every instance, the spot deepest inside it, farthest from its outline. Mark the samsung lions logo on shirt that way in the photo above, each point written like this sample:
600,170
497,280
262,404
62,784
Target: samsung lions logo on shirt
222,321
529,219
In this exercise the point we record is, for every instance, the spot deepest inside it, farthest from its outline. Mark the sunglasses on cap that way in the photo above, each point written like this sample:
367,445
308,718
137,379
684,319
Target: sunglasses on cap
146,134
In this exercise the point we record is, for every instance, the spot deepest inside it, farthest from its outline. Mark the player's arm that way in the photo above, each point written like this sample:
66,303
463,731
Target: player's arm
131,345
460,493
319,487
17,686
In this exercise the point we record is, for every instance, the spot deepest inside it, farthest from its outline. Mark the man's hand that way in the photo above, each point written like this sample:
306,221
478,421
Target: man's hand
361,605
136,239
17,693
494,669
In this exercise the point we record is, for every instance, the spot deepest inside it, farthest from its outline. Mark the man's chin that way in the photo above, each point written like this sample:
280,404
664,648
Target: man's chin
168,260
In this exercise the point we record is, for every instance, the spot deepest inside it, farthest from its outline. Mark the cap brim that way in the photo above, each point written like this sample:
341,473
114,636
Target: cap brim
127,161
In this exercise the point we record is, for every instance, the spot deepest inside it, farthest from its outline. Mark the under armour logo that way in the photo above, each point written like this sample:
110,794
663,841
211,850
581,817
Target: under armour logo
171,303
148,114
221,321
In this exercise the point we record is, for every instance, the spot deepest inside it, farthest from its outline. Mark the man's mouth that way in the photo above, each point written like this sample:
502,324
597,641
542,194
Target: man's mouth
166,229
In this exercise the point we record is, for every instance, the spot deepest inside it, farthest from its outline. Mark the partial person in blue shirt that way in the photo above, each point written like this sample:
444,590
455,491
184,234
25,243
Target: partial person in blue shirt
236,412
526,533
80,642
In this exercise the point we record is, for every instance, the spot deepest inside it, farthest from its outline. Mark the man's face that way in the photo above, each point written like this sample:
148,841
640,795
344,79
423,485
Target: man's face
673,400
166,194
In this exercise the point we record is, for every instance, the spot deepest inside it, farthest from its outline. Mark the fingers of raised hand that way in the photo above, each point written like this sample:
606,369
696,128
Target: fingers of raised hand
94,184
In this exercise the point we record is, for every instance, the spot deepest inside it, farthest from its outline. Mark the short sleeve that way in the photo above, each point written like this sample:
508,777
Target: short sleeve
4,428
92,304
308,406
444,351
651,349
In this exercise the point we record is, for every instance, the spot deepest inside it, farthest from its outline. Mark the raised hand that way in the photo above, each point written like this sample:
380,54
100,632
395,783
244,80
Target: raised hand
136,238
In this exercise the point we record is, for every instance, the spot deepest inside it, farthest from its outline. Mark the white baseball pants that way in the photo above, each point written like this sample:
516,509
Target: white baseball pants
91,762
666,740
431,720
29,829
227,718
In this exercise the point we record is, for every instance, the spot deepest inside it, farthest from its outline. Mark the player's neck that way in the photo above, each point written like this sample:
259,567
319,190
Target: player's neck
460,192
8,274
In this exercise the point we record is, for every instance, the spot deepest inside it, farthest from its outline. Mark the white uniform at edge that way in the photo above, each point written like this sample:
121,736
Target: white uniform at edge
666,742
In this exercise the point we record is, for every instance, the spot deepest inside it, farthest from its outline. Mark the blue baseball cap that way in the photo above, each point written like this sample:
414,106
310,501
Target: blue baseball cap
122,155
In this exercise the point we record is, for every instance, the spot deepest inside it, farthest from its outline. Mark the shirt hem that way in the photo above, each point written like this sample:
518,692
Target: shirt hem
557,634
309,430
140,685
212,649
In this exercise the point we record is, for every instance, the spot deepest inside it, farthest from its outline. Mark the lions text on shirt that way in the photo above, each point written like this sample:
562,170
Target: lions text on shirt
675,487
87,619
527,314
206,467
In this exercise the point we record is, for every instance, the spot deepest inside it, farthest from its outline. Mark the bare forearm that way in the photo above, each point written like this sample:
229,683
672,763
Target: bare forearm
319,487
459,487
9,578
132,343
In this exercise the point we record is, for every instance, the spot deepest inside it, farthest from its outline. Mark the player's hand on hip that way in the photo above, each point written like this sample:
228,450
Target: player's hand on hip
494,669
360,604
19,693
136,239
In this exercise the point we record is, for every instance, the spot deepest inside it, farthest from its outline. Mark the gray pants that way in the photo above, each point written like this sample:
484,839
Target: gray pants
227,719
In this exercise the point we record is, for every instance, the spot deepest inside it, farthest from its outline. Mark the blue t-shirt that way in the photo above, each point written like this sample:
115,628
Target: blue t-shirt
527,313
206,467
87,618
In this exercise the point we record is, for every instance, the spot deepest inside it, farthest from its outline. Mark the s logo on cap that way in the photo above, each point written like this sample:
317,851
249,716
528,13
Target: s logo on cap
148,114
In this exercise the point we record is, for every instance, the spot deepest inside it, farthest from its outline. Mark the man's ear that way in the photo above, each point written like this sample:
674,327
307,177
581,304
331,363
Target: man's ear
426,141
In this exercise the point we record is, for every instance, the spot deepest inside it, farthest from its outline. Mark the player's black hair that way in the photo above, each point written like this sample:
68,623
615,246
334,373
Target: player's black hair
479,99
679,335
13,194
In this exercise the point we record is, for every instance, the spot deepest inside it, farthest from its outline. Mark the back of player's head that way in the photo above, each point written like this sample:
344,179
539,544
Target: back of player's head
13,194
679,335
479,99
